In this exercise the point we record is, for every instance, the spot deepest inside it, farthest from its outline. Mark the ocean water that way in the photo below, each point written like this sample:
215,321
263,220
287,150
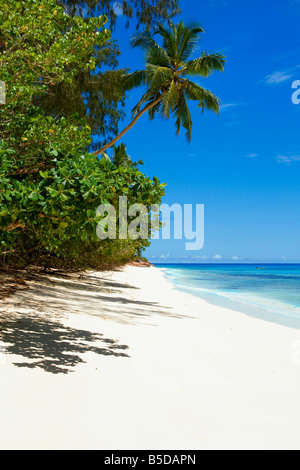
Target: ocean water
268,291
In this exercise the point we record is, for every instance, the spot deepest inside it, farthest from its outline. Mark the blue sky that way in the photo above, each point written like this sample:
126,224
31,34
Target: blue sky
243,165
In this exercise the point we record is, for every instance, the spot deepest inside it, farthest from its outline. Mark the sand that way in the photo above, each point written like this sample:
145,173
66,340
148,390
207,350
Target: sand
123,361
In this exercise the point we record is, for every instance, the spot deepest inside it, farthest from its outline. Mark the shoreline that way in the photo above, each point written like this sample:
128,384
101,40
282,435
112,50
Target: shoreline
246,307
124,360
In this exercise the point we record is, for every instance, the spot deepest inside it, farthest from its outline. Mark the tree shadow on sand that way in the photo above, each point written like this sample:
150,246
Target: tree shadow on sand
87,295
53,346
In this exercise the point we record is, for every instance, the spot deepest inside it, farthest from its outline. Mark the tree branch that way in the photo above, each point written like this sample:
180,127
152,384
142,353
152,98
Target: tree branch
14,225
65,8
31,169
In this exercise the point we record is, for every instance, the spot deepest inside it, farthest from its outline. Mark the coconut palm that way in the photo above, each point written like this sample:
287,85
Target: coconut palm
120,157
165,76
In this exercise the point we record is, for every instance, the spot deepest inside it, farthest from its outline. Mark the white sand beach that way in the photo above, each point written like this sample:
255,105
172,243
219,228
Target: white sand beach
123,360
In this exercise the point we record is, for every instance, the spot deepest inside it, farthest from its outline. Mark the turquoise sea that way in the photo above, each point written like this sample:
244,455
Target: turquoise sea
267,291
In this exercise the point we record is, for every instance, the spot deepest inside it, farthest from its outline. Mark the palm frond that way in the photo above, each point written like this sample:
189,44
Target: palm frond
142,39
153,50
134,80
147,98
207,100
188,42
136,164
104,156
170,99
159,76
155,56
154,110
183,116
205,65
120,157
169,37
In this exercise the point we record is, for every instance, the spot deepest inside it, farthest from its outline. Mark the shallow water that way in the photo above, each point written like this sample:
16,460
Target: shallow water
272,288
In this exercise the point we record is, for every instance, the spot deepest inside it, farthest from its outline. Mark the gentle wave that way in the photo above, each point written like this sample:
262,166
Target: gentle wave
273,288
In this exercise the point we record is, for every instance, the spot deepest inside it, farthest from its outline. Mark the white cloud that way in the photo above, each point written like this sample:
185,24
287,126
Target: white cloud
281,76
235,258
217,257
224,106
165,256
227,105
278,77
251,155
288,159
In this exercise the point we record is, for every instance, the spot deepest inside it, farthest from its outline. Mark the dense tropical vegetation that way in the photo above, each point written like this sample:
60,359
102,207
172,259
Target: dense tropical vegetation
50,186
65,95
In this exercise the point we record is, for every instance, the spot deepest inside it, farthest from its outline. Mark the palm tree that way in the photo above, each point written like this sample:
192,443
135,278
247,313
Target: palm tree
167,67
120,157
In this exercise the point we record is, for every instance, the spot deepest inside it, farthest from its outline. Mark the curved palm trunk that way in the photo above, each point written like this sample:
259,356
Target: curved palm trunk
110,144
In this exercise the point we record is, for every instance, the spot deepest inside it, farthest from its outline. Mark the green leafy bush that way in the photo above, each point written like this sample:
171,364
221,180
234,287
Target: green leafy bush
50,186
